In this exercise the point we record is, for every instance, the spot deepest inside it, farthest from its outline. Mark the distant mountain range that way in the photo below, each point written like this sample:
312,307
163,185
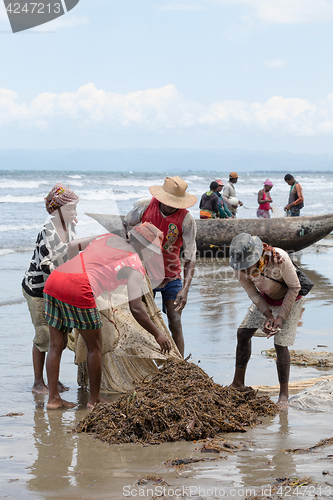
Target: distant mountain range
162,160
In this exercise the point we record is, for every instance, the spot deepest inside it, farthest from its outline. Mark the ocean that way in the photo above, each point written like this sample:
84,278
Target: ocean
39,457
23,210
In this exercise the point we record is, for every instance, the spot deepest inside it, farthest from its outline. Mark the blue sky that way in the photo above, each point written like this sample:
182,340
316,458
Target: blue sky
253,74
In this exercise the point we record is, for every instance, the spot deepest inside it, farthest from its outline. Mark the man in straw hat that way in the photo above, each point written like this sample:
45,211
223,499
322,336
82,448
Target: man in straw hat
229,193
269,278
167,211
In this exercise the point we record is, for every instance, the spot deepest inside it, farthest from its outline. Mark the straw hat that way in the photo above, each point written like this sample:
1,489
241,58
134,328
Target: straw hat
149,236
245,250
173,193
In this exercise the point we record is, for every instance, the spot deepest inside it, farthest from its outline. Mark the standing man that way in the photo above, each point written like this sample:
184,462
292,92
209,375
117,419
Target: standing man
296,199
229,192
167,211
223,208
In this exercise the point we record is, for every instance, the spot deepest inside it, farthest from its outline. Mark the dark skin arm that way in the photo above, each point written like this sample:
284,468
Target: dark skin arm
261,196
75,246
134,281
181,298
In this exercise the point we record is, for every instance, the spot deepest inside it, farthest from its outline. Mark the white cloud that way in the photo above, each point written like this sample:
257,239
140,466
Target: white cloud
275,63
160,109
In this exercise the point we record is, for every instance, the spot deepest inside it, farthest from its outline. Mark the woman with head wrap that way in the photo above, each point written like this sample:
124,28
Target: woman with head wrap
51,251
265,200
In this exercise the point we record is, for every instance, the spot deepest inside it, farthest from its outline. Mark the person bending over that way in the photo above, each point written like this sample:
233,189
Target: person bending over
269,278
106,262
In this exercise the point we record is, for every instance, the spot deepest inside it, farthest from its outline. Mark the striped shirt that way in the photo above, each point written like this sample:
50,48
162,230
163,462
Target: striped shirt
50,252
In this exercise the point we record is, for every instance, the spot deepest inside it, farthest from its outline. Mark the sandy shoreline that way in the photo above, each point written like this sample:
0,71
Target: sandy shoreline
41,459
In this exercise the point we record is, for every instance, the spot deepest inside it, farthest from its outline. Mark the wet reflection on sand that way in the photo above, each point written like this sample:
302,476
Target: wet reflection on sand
42,458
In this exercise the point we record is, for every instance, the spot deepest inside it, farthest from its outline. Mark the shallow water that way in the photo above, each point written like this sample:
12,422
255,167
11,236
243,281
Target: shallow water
41,458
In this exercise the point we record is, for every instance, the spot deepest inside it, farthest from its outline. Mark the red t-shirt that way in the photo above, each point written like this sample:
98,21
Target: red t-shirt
80,280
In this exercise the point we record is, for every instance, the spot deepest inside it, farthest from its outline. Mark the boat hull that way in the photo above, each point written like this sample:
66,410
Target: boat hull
215,235
289,233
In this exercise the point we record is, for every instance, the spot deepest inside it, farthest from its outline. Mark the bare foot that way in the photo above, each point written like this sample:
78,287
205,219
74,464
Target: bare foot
62,387
92,403
283,403
59,403
40,388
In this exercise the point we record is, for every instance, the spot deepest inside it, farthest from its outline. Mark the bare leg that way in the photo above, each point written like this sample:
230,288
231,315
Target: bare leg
38,360
93,341
243,354
57,339
283,369
175,325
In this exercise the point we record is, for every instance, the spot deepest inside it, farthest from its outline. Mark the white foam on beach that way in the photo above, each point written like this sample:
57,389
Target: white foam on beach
18,227
21,184
6,251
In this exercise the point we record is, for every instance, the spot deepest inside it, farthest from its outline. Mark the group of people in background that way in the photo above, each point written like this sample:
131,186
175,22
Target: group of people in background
66,275
214,204
217,204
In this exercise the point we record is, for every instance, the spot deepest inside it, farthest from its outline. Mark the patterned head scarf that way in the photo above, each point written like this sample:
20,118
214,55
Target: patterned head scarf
269,254
59,196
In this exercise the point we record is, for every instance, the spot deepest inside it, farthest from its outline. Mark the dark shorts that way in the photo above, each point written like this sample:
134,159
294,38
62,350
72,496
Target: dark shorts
169,292
65,317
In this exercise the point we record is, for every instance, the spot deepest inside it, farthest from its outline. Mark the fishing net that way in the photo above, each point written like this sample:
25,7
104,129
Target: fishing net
316,398
181,402
129,352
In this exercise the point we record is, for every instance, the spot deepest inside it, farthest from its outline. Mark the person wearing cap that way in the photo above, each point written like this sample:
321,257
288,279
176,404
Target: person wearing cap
229,191
269,278
167,210
223,208
265,200
296,198
209,203
51,251
70,292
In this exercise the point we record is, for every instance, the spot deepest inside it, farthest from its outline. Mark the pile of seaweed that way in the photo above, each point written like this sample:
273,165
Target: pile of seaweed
180,403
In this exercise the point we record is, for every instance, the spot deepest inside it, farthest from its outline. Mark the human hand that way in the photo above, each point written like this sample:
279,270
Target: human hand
240,203
276,326
164,343
181,300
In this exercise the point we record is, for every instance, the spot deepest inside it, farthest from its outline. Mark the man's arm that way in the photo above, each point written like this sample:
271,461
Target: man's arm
181,299
189,232
134,281
299,199
134,217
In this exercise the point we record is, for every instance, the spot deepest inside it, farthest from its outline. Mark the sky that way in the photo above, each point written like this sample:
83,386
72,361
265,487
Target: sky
248,74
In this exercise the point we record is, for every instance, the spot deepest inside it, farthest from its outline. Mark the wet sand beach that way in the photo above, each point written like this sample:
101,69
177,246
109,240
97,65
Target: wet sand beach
42,459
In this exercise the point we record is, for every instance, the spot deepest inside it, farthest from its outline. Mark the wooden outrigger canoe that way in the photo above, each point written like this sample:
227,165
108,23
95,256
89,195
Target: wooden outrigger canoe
288,233
214,235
